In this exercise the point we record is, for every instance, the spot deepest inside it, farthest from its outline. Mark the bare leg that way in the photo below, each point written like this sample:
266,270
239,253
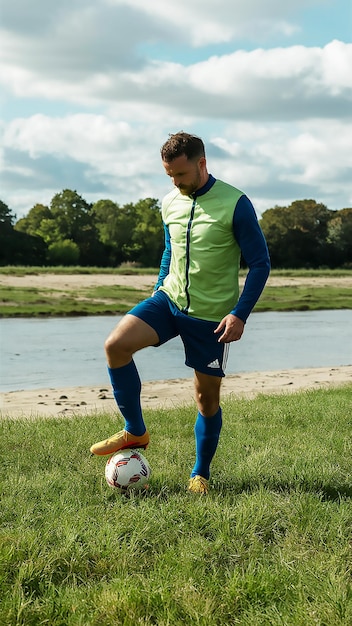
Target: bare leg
207,393
130,335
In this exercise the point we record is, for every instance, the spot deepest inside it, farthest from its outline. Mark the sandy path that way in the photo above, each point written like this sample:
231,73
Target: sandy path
141,281
167,393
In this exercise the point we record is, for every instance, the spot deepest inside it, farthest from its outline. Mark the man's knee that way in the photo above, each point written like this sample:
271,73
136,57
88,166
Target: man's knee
129,336
118,347
111,344
113,349
207,394
208,404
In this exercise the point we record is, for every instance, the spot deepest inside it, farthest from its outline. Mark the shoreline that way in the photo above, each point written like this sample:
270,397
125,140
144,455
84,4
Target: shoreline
163,394
68,401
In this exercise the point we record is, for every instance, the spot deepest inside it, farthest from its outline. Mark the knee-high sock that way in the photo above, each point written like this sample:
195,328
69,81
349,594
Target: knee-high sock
126,386
207,432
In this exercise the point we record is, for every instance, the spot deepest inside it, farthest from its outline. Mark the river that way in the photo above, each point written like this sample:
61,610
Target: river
58,352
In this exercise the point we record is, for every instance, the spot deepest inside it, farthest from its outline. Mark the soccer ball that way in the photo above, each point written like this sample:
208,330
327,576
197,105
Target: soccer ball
128,469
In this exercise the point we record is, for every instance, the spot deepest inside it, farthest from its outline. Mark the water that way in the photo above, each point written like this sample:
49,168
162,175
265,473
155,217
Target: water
59,352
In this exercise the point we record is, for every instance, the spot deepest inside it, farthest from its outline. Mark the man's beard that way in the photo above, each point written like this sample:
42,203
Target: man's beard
188,190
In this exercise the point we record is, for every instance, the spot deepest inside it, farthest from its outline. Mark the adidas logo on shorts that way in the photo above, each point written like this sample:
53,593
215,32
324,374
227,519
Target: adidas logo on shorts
214,364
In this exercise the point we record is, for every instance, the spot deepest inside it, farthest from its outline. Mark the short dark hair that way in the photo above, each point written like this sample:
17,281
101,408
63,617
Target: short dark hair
182,143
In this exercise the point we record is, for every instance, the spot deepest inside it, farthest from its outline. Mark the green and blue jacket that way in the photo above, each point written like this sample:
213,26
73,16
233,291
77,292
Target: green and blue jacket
205,235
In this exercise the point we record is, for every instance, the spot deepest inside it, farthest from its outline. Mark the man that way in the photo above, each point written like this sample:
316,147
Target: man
208,224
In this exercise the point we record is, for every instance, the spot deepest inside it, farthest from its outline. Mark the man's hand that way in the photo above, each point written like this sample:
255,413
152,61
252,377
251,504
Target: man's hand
233,328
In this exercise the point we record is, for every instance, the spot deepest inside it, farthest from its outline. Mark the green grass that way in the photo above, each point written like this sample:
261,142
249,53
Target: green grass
300,298
36,302
28,270
130,269
270,545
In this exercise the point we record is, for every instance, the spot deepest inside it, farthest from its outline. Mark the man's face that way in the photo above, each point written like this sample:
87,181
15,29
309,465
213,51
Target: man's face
187,175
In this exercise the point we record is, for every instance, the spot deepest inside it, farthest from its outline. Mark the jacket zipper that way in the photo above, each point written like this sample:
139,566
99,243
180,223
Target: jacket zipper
188,238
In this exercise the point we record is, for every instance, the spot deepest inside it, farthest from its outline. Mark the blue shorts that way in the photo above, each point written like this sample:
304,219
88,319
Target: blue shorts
203,352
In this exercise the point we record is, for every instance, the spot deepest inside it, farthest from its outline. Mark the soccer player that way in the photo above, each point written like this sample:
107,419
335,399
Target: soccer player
208,225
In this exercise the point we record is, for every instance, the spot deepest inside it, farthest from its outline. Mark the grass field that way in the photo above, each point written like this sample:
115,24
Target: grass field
28,270
271,544
35,302
109,300
130,269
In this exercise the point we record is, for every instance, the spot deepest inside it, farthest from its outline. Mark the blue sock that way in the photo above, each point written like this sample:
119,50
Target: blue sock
207,432
126,386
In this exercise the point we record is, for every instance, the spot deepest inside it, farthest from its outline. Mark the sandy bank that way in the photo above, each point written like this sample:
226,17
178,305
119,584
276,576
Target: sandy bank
166,393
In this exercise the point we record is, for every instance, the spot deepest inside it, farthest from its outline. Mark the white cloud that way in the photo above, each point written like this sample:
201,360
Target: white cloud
125,159
73,40
202,22
290,83
311,160
276,119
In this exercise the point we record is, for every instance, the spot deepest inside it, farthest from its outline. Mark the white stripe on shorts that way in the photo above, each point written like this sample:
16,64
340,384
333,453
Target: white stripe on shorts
225,356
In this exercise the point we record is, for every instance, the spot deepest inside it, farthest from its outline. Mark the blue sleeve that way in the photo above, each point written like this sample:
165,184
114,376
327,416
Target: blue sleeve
251,240
165,259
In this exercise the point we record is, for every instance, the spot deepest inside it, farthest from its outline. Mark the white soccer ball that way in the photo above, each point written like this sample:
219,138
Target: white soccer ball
127,469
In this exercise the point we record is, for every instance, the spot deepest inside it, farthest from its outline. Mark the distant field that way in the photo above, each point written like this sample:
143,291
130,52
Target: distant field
35,292
11,270
34,302
127,269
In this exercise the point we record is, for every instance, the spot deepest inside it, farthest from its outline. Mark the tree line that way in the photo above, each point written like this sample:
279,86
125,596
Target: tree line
71,231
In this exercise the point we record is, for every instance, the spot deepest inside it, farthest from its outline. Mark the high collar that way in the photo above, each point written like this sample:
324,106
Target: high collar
208,185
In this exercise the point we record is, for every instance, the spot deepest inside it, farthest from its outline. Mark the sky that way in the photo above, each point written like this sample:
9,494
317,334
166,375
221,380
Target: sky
90,90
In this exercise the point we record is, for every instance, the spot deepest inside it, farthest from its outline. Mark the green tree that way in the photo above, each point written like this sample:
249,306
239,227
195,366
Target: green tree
6,216
18,248
133,232
340,236
105,215
69,218
31,224
115,226
297,234
148,234
73,220
64,252
71,213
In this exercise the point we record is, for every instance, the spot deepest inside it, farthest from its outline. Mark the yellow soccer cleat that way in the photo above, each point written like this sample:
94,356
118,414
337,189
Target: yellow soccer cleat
119,441
198,484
